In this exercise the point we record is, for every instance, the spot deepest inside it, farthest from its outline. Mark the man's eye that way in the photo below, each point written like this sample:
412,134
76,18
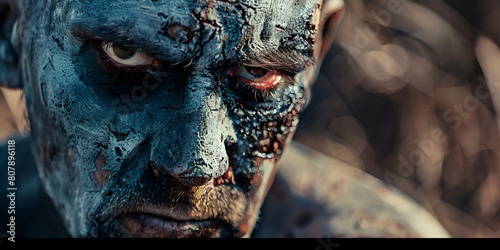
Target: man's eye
117,65
126,57
258,78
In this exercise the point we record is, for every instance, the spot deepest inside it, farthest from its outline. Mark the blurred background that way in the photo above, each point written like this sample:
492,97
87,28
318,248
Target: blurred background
409,94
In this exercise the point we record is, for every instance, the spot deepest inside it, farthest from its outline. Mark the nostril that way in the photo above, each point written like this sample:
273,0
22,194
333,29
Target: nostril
154,173
226,178
194,169
162,175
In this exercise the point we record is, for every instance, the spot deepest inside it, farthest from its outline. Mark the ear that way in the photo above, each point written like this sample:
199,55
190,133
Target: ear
332,12
9,66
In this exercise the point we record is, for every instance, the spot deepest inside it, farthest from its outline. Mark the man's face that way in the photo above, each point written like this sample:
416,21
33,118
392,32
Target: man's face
164,118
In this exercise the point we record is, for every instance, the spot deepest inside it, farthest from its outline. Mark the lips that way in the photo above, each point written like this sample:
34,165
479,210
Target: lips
143,225
153,222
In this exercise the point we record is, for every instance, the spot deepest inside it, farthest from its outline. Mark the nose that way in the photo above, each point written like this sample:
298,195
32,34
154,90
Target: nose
191,147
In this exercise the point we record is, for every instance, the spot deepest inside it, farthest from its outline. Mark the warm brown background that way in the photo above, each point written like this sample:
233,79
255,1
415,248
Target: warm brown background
401,71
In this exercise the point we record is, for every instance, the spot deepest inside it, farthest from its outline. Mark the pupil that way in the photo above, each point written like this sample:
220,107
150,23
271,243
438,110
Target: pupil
123,52
257,72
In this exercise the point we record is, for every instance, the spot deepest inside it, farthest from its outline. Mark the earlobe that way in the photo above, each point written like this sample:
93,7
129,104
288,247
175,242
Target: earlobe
9,66
331,14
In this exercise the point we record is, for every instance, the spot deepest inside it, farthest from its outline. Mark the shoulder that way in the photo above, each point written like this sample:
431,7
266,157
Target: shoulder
315,195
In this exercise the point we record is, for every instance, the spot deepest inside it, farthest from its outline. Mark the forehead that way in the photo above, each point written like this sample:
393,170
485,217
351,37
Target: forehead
178,30
282,12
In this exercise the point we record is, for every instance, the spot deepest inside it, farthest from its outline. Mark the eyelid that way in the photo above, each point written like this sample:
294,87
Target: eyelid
141,59
263,83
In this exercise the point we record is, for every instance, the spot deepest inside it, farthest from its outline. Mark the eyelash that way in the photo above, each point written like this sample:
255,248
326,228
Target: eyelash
260,95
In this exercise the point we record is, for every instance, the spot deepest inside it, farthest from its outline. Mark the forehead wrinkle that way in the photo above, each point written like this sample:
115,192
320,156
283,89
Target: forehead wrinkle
281,42
136,24
121,23
113,11
132,24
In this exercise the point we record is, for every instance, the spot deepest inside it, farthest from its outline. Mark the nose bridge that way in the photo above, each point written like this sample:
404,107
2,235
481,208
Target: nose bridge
192,149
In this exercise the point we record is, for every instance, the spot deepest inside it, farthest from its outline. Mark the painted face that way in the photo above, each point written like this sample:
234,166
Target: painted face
164,118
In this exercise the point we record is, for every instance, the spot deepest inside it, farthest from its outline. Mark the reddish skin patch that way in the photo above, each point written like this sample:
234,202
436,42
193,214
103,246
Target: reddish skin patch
276,146
243,228
258,161
227,177
255,179
101,176
69,155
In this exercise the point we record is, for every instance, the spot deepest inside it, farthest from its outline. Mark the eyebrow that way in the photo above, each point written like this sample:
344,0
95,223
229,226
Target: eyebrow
129,36
129,25
283,59
121,25
106,32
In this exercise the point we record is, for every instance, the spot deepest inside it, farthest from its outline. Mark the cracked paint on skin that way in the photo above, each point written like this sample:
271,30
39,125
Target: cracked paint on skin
178,129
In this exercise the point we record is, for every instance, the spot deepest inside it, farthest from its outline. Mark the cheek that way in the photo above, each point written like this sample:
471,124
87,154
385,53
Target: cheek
262,137
274,134
56,164
65,123
268,131
263,134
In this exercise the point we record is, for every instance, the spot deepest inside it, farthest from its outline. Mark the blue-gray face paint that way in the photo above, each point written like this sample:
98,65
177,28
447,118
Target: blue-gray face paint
109,144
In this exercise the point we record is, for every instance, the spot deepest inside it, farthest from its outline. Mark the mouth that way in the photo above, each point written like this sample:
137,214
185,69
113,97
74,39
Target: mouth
157,223
167,219
151,226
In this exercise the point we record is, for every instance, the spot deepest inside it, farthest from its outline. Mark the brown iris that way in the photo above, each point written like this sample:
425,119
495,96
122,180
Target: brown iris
123,52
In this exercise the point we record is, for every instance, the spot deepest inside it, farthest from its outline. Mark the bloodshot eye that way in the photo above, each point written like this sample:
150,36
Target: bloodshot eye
123,56
257,78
